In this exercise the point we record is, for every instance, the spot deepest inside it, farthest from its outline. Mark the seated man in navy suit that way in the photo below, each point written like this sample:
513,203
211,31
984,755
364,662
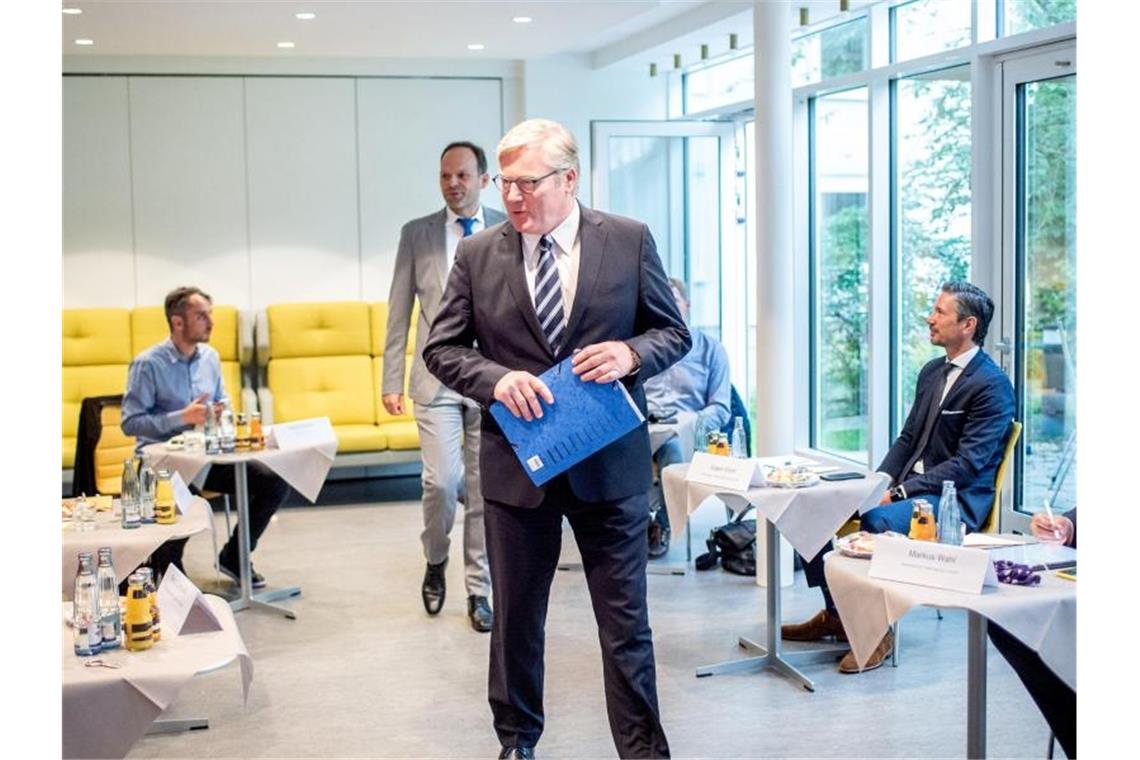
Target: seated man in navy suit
956,430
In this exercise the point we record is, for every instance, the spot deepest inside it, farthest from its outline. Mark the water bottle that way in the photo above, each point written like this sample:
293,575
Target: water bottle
129,496
949,516
211,432
147,480
227,431
85,618
83,514
109,614
739,441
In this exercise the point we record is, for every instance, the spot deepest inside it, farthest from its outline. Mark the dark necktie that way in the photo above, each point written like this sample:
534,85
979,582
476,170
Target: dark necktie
468,223
933,408
548,294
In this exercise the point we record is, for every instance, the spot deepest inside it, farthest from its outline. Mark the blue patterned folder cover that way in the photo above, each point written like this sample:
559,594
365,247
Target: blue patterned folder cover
584,418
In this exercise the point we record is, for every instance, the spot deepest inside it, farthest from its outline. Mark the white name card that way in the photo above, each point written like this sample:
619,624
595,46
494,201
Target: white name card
182,495
302,433
925,563
184,609
725,472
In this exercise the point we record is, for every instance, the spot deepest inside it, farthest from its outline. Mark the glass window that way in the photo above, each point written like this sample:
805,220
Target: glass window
720,85
840,297
1047,246
1023,15
924,27
932,195
702,192
832,52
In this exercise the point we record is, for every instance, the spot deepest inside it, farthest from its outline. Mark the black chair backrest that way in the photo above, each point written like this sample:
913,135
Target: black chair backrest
739,410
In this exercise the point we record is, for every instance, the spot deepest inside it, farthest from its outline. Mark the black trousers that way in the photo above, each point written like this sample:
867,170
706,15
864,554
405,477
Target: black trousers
1056,701
267,491
523,546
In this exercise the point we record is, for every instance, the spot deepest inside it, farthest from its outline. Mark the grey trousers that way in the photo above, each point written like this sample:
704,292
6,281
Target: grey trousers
449,445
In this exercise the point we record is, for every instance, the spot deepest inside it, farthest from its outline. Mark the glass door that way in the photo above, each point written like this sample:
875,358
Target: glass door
681,179
1039,257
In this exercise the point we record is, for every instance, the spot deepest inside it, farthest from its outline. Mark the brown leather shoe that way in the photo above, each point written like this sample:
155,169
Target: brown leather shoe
821,626
881,653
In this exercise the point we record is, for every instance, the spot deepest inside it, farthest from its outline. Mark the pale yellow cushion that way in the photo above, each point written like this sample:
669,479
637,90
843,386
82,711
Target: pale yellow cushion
319,329
403,435
114,447
148,326
68,451
378,380
337,387
96,336
359,438
380,327
231,379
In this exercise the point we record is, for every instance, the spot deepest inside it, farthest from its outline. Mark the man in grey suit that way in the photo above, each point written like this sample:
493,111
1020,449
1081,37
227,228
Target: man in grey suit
561,280
448,423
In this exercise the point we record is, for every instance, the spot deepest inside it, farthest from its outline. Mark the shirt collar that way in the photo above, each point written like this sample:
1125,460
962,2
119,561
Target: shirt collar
965,357
174,355
452,217
564,234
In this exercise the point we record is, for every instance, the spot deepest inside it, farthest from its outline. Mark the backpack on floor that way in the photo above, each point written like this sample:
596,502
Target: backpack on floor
733,545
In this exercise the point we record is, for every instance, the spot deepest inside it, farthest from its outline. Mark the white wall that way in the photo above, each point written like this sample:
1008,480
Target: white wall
266,183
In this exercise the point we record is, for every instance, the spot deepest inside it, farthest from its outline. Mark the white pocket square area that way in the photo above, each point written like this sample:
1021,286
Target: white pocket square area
953,411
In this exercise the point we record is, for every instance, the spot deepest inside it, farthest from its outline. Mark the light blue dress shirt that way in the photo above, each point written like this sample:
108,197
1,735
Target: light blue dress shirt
161,383
698,383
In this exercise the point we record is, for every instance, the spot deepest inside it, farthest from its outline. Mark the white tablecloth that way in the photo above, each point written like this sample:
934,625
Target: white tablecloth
303,468
105,711
128,547
1043,617
807,517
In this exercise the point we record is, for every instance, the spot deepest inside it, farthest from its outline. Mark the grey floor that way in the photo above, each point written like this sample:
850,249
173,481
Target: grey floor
363,672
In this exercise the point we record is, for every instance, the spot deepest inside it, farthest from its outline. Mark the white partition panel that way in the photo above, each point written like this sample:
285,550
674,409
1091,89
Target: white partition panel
301,148
403,125
188,158
98,258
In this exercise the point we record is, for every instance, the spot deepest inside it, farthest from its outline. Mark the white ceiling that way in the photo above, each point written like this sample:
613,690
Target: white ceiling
628,30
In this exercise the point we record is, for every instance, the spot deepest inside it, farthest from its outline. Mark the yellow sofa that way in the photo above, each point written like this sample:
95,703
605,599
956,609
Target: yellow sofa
326,360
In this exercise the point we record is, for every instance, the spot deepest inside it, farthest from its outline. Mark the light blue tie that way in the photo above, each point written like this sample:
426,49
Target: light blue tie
468,223
548,294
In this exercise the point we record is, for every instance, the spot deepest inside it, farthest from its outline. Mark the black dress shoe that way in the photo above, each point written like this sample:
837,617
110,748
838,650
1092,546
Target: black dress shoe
517,753
479,613
435,587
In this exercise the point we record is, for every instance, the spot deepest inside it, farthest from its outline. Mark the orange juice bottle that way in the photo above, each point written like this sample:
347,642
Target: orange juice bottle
164,511
137,634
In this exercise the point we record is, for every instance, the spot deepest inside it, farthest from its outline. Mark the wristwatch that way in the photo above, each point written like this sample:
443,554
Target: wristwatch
898,493
636,360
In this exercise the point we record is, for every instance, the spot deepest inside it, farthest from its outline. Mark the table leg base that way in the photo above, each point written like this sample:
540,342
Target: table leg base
177,726
265,600
781,661
650,569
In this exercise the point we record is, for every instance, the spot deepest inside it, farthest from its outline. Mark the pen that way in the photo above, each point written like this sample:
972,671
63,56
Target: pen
1052,520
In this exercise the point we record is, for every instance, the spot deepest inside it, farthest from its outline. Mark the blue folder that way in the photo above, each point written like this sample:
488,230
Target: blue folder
584,418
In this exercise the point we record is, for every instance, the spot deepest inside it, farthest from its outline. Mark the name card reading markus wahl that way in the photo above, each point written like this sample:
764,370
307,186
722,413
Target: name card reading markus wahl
953,568
729,473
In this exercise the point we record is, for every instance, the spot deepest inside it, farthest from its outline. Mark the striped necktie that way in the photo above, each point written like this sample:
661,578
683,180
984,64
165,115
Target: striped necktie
468,223
548,294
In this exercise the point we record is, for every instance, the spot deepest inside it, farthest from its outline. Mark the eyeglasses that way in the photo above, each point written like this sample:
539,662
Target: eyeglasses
526,185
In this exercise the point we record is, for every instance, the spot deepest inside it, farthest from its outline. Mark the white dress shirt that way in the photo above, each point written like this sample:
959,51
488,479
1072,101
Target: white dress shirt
454,233
567,254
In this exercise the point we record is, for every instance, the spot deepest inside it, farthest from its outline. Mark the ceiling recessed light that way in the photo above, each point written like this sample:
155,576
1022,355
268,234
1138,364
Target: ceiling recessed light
306,16
522,19
285,44
84,42
475,46
73,11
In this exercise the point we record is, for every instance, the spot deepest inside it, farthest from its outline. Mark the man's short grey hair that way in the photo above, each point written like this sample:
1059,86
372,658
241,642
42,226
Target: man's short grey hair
557,143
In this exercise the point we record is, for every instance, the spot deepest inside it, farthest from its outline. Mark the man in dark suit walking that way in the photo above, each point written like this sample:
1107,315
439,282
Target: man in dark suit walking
956,430
560,280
